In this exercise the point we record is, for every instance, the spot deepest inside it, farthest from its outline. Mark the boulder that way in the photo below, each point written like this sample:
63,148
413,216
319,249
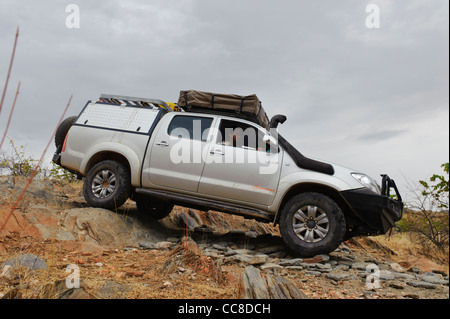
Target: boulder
252,284
15,267
432,278
258,259
108,228
30,261
338,276
256,285
421,284
397,267
39,190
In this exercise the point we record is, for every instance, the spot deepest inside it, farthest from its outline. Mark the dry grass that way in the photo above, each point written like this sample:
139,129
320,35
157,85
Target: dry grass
406,246
137,271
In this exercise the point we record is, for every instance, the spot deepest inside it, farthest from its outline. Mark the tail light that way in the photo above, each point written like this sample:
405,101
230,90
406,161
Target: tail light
64,144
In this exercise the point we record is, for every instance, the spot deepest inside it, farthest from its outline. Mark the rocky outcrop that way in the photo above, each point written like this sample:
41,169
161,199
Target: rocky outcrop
55,210
265,262
187,254
108,228
256,285
36,215
217,223
196,243
39,191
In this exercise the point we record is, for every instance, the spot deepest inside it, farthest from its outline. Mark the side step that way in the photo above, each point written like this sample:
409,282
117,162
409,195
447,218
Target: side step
206,204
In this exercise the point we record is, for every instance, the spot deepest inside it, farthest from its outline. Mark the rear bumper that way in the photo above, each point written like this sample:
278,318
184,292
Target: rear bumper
57,156
377,212
57,160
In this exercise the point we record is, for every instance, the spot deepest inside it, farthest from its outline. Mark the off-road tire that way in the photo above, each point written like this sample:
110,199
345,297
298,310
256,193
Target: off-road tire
300,243
116,189
63,129
156,209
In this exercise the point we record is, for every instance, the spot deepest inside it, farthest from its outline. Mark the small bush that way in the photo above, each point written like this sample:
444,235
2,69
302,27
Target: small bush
427,216
17,163
59,173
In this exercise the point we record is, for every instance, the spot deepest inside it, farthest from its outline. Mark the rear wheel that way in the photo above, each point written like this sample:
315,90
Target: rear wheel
107,185
153,208
312,224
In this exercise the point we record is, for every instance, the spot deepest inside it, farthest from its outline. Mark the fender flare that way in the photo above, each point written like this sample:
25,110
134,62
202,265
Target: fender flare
116,148
328,185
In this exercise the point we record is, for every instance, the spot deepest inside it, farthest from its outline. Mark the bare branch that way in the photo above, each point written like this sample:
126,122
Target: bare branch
9,70
10,116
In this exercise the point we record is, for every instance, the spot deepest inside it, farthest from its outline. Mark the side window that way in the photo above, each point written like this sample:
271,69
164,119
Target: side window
190,127
240,135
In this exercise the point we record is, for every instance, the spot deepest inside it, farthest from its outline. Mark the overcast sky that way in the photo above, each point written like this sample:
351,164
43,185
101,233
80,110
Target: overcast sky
373,99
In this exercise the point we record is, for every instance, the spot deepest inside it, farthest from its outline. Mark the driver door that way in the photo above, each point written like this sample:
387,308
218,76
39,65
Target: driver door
240,168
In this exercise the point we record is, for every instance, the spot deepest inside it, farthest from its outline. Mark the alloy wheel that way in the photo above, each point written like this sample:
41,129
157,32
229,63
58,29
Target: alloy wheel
103,184
310,224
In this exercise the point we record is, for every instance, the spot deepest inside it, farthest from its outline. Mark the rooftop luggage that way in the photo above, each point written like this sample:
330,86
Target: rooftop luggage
247,107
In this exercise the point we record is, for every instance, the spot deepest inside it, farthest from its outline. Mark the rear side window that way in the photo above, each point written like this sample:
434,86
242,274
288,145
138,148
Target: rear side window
191,127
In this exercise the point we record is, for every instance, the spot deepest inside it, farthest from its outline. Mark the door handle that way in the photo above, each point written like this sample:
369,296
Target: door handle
162,143
217,152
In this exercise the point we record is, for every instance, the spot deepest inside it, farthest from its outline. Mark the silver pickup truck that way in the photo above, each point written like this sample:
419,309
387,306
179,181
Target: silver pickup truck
161,156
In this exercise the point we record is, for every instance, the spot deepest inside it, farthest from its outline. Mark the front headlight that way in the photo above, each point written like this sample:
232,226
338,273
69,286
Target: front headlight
367,182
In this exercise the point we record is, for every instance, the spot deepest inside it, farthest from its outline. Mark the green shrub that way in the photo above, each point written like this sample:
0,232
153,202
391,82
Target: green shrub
427,216
17,163
59,173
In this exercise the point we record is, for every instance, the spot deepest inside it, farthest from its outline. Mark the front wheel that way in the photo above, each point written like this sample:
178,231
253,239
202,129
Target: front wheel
312,224
107,185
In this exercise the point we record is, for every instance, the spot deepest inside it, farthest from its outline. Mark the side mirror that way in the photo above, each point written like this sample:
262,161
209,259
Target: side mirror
269,138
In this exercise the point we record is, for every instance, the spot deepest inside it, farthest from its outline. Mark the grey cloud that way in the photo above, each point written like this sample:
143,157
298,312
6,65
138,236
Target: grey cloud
378,136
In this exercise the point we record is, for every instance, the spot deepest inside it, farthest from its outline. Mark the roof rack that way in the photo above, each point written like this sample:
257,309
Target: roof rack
131,100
